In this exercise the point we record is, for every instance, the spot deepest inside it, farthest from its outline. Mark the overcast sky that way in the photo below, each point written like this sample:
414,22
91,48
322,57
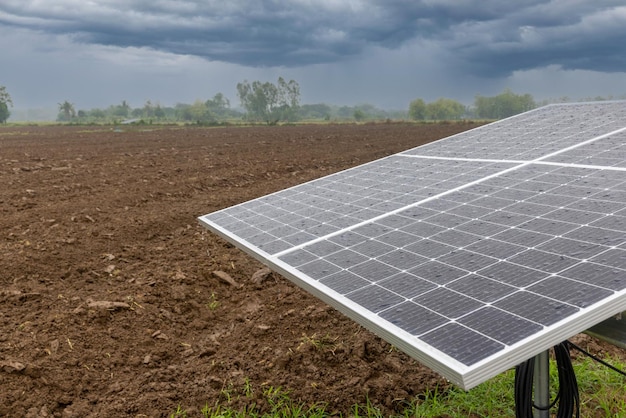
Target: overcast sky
384,52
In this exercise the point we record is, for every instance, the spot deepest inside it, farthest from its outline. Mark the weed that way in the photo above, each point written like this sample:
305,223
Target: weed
325,343
247,388
368,410
227,392
213,303
179,413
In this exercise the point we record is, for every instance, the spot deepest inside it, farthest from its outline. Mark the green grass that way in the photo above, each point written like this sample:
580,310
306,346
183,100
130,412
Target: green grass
602,394
213,303
277,401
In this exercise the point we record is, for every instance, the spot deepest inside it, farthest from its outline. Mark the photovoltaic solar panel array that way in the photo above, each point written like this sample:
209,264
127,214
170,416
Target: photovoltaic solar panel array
473,253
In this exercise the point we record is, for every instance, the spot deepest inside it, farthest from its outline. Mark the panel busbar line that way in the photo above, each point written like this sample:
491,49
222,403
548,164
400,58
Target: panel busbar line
473,253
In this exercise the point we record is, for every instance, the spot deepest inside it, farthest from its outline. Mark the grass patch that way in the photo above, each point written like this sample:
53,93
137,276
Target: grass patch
602,393
277,401
322,343
213,303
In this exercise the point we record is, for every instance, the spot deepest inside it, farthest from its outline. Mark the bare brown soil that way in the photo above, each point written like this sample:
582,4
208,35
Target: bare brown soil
109,301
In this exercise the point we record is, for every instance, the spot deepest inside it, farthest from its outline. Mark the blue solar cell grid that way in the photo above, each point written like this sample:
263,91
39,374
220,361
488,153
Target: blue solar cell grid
295,216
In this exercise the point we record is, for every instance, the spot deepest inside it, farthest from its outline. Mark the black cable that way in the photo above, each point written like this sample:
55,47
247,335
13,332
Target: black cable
524,389
599,360
569,402
567,396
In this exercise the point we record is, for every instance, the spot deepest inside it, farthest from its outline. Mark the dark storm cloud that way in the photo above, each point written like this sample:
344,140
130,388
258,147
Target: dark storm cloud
572,35
251,33
487,38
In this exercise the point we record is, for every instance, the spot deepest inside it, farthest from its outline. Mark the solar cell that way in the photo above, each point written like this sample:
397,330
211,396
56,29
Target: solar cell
472,253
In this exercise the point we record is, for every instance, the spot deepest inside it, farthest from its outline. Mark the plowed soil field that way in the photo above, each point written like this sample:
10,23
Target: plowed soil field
110,305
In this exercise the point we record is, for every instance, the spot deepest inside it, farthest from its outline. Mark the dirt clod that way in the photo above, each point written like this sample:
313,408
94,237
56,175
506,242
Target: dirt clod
11,366
261,275
226,278
105,304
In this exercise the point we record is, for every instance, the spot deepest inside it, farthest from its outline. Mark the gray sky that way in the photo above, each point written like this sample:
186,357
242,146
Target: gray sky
346,52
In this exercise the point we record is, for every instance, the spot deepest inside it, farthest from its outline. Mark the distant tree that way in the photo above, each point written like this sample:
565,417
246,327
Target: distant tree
159,113
365,111
259,99
289,98
417,110
148,109
121,111
218,106
4,112
445,109
370,111
196,112
345,112
97,114
199,112
182,111
66,111
270,102
503,105
5,97
358,115
5,102
315,111
136,113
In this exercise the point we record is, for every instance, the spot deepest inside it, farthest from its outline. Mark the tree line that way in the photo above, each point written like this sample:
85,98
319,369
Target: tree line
271,103
209,111
497,107
261,102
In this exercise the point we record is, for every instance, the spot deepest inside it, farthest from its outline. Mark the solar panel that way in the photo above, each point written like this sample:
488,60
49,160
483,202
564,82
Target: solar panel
473,253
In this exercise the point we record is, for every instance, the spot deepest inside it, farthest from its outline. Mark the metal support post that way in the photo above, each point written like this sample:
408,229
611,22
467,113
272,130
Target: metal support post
542,384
